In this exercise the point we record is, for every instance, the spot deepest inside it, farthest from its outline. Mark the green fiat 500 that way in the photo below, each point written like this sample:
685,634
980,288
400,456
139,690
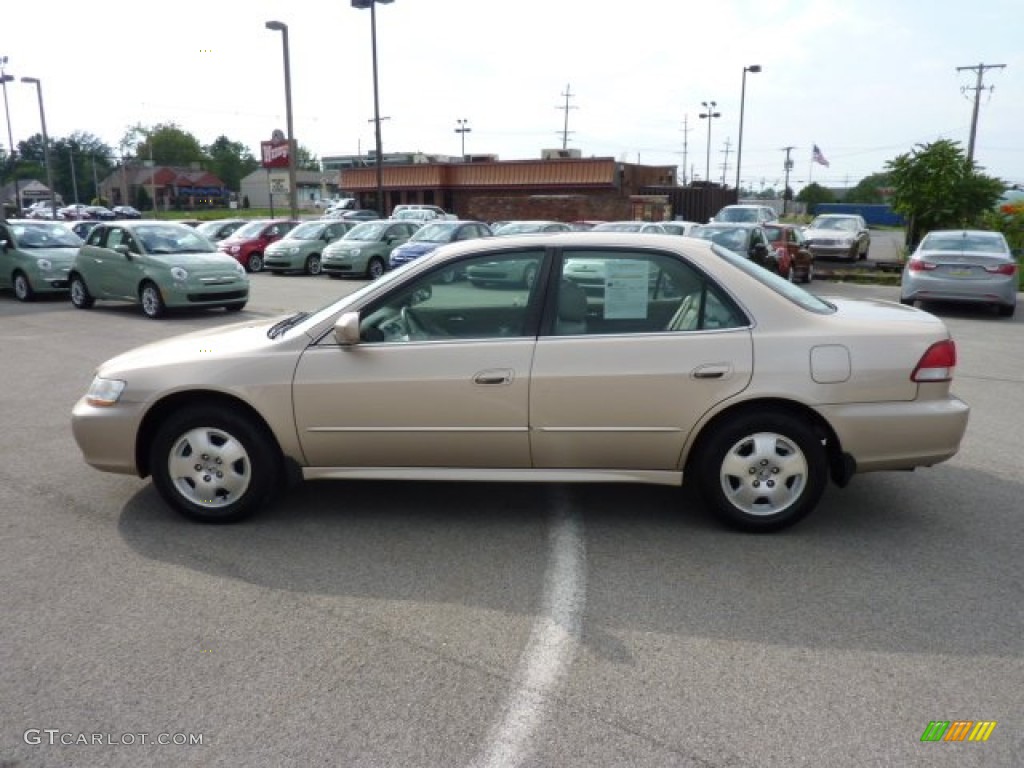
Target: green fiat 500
302,248
364,251
35,257
158,265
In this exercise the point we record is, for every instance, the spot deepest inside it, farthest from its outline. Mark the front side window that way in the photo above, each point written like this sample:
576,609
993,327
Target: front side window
493,299
614,292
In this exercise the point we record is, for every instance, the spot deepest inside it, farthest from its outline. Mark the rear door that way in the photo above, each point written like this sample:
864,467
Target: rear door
623,370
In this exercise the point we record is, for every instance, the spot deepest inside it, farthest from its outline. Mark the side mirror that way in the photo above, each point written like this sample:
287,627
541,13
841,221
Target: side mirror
346,329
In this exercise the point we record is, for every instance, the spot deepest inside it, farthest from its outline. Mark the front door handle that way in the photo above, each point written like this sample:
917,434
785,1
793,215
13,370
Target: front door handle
494,376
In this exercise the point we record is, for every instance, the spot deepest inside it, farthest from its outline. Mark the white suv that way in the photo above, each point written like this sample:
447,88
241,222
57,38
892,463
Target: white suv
749,214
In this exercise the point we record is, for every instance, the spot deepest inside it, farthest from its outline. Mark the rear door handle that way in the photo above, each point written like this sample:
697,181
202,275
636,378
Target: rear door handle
494,376
712,371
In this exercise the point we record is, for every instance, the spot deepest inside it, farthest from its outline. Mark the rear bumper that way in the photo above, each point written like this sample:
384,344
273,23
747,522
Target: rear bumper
884,436
995,290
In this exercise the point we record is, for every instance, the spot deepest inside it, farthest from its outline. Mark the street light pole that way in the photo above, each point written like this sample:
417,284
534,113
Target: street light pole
755,68
4,80
372,5
709,116
463,129
293,199
46,144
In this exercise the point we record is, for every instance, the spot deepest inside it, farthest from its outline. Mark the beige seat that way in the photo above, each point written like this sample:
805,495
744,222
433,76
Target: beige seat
572,309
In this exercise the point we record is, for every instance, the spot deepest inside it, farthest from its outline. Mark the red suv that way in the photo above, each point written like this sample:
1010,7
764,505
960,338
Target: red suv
248,242
795,259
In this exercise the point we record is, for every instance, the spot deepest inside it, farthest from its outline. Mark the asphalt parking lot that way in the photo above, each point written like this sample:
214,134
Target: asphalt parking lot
451,624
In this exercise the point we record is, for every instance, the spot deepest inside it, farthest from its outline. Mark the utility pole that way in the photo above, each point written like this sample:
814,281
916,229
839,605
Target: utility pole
686,130
725,164
565,126
785,189
978,88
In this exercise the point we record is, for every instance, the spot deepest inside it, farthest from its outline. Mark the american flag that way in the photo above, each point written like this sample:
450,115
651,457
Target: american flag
817,157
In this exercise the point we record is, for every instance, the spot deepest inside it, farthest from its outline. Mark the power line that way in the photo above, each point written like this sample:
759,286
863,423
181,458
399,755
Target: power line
565,127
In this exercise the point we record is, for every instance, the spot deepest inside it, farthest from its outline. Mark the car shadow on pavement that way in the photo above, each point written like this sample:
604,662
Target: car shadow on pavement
884,564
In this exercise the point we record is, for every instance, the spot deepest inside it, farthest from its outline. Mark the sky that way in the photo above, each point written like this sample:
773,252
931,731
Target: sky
864,80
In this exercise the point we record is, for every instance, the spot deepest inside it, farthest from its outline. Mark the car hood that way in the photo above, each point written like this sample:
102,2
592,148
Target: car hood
199,349
417,248
830,234
59,256
204,263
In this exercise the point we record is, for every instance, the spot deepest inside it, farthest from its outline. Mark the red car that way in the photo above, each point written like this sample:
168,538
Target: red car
249,241
794,257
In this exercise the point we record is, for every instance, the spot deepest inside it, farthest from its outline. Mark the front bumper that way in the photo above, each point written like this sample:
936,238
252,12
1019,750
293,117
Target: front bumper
106,436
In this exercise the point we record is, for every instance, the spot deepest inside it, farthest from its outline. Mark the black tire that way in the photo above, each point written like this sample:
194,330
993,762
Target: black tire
255,262
867,250
374,268
907,302
334,275
809,275
313,265
236,307
246,458
80,296
22,287
774,444
855,252
1007,310
152,302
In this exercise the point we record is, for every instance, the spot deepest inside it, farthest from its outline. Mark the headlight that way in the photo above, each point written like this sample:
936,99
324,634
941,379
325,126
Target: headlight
239,269
44,265
292,251
104,392
180,274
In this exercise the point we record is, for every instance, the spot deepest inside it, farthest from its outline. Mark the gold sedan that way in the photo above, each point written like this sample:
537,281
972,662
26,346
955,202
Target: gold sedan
630,357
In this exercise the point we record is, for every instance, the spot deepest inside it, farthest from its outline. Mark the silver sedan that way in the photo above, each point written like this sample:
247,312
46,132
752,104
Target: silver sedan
962,265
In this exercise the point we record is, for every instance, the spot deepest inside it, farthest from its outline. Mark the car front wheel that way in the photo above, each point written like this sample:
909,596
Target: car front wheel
762,472
213,465
80,296
23,288
151,300
313,266
375,268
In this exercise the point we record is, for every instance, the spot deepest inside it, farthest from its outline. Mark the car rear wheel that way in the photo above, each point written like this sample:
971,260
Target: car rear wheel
255,263
762,472
375,268
809,275
1007,310
907,302
23,288
313,266
236,307
80,296
213,465
151,300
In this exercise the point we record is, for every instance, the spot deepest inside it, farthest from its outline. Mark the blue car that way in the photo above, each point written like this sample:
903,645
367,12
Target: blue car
435,234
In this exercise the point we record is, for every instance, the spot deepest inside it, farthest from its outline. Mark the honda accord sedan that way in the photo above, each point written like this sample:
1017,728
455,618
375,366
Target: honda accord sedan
689,364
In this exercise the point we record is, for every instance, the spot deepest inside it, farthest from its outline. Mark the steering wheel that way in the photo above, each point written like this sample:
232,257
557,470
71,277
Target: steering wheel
413,328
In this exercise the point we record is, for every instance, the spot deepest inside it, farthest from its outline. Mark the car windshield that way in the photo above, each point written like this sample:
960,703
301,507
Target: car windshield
172,238
780,285
974,242
434,233
252,229
370,230
311,230
619,226
733,238
45,236
737,214
774,234
521,227
831,222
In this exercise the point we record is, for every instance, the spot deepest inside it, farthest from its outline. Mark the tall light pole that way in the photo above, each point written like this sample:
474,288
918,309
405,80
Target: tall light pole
293,199
4,80
709,116
372,5
463,129
755,68
46,144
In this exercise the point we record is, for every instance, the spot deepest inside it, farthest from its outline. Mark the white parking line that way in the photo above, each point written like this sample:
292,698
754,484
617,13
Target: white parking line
552,644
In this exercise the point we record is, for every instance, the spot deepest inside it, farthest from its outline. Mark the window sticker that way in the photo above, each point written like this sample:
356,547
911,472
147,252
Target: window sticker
625,289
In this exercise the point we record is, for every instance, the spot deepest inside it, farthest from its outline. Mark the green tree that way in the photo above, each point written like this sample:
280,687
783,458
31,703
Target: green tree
166,143
81,151
230,161
870,190
936,187
814,194
306,160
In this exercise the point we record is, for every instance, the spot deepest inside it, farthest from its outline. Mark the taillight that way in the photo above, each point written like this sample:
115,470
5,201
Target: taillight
937,363
1002,269
917,265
